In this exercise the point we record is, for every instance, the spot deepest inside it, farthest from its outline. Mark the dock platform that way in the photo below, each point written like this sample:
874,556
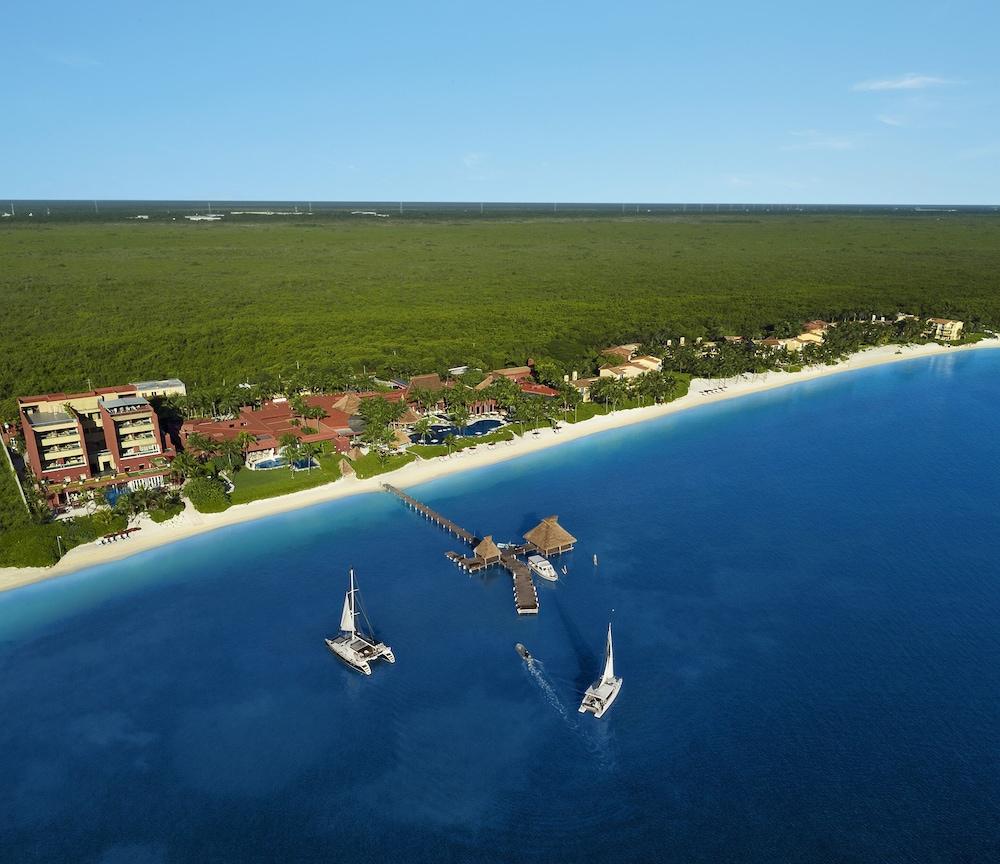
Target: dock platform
525,595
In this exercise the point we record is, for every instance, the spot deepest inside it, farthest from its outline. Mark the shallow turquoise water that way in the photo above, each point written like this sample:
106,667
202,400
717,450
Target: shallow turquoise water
804,585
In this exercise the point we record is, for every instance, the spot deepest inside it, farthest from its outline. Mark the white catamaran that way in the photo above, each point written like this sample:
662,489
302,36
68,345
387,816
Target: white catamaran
356,648
603,692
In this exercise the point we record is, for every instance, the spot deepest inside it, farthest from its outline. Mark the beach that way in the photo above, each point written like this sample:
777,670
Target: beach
702,392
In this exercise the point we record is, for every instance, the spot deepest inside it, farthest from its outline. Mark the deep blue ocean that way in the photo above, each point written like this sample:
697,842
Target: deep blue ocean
806,597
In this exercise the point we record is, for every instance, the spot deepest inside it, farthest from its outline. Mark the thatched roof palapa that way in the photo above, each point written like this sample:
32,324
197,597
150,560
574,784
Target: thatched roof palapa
549,536
409,417
348,403
487,550
431,381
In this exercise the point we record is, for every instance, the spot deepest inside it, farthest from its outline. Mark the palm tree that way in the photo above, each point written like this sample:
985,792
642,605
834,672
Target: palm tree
245,440
460,415
380,439
422,427
315,412
425,399
229,449
184,465
288,446
201,445
309,451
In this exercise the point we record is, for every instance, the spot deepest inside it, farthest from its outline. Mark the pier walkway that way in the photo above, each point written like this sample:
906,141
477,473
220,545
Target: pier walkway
525,595
432,515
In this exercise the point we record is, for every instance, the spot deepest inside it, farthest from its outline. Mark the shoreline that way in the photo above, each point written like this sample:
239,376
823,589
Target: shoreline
190,523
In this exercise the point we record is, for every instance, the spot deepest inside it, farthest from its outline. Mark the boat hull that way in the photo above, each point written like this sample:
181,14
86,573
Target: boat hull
600,697
542,568
358,653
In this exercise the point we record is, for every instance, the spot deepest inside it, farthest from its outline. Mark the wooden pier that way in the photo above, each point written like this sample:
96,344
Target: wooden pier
525,595
432,515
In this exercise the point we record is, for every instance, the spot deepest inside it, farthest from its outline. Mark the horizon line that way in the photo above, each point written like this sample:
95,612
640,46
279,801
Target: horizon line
395,202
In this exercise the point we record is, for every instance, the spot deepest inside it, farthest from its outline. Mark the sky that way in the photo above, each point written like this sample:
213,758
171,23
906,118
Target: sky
876,102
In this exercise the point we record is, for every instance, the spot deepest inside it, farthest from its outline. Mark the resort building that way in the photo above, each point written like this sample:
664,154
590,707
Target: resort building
945,329
817,326
514,373
426,382
104,437
813,337
530,388
164,387
626,352
633,368
582,386
337,425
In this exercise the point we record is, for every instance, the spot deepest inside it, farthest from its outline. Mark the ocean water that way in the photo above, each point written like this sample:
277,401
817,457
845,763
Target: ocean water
806,598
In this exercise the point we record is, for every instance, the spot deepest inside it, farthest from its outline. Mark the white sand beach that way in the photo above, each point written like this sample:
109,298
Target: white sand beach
190,522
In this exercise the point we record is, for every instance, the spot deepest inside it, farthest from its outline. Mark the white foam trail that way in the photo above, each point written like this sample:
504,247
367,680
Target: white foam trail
595,739
546,688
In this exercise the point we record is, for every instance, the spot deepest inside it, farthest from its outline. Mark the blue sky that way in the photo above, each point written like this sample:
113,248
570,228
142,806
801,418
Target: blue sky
862,102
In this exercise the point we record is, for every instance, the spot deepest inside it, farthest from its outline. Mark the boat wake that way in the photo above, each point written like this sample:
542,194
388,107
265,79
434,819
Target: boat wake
595,738
536,670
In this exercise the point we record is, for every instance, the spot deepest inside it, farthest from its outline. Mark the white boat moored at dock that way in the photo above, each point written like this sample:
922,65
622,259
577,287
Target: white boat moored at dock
355,647
542,567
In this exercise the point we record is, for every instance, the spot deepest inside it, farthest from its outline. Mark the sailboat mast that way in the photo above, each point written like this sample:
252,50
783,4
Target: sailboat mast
348,616
609,658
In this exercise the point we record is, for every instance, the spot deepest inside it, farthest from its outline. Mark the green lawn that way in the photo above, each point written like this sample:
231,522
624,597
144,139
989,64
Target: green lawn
585,411
371,466
253,485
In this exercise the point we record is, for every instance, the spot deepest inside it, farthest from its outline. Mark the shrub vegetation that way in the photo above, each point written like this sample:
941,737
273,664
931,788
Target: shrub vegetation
242,301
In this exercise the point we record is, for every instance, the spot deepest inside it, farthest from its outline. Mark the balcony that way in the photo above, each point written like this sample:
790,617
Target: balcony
71,463
135,425
137,440
59,437
62,452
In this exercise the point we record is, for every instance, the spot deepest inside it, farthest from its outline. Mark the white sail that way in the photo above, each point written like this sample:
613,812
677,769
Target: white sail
347,616
609,660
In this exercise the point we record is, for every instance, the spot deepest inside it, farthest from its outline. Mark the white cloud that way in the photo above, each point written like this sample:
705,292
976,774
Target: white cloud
910,81
891,120
473,160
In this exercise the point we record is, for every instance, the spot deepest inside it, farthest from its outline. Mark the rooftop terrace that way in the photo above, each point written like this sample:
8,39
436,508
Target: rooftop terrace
47,418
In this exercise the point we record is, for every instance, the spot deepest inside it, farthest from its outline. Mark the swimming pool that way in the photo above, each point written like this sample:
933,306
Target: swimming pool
281,462
437,434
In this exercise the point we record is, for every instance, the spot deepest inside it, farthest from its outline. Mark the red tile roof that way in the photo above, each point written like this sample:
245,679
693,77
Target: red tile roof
537,389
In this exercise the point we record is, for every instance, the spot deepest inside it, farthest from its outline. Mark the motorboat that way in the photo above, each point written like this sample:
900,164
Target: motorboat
542,567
